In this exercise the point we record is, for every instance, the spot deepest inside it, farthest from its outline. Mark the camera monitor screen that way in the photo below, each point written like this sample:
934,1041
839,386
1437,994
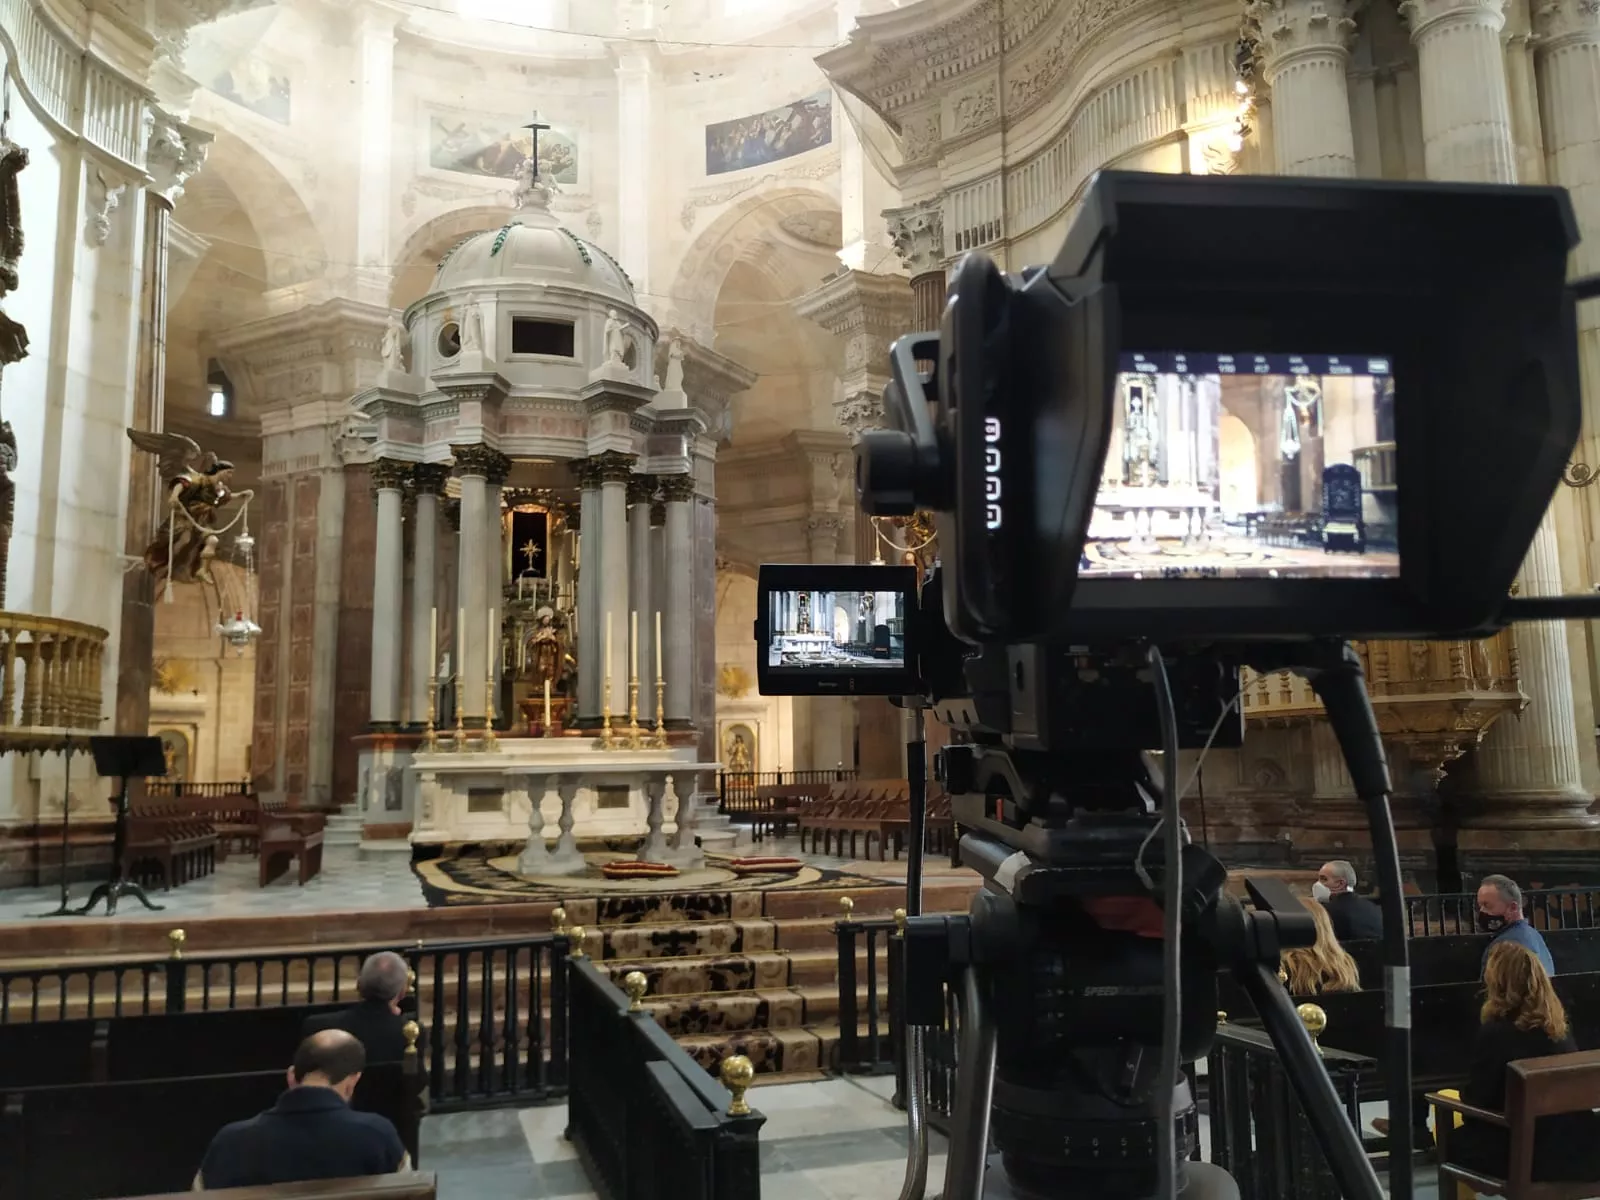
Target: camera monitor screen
815,630
1230,466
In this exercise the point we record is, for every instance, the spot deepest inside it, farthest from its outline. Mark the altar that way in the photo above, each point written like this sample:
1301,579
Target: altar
533,787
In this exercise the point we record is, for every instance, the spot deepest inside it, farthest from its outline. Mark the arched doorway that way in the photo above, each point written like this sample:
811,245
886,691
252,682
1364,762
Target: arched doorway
1238,467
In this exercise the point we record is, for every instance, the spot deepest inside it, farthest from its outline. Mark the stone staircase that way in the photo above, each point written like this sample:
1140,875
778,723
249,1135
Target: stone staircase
343,829
715,831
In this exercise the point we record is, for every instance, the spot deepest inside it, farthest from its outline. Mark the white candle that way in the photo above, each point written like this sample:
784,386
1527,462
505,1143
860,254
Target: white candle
461,637
606,662
658,643
547,704
494,644
433,639
633,644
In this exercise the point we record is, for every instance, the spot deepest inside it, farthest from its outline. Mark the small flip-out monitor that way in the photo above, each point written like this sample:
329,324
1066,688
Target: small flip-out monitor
845,630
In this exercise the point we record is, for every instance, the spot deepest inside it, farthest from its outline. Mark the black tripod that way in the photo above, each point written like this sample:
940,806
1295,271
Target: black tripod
64,909
123,758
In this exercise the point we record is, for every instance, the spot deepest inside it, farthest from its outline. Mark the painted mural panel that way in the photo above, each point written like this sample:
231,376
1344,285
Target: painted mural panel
770,136
471,147
256,86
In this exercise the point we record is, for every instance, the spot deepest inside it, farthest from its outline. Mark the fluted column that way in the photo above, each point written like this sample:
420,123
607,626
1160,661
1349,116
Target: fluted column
494,566
388,587
678,621
472,467
1305,53
590,636
615,471
428,479
641,494
1466,107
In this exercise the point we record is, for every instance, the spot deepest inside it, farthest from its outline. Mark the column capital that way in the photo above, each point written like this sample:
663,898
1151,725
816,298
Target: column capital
866,312
586,471
917,231
642,488
427,479
676,489
390,475
826,524
1561,22
480,460
614,467
174,153
1290,29
1429,16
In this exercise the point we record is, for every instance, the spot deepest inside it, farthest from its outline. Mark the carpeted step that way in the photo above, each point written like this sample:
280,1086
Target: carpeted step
784,1052
740,972
738,1012
695,939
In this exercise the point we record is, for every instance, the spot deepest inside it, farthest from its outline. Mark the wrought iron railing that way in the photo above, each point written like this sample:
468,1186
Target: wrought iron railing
1450,913
163,789
646,1118
870,1026
738,792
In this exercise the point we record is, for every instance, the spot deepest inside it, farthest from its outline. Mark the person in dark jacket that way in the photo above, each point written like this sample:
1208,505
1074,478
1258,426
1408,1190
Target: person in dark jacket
1355,918
377,1021
311,1132
1500,913
1522,1017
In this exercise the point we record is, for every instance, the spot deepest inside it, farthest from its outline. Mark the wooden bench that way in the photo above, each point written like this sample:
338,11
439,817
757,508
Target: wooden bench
181,847
232,810
1535,1087
290,837
413,1185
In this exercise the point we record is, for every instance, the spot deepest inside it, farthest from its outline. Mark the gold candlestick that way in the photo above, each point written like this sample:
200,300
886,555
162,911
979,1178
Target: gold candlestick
635,734
489,740
659,741
430,736
461,727
607,738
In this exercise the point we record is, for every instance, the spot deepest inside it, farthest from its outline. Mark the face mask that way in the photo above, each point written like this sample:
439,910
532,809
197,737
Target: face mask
1491,924
1320,892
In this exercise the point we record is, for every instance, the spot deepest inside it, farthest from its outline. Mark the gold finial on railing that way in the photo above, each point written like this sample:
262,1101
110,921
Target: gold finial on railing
846,907
900,922
411,981
411,1031
1315,1021
1283,976
636,984
1222,1017
176,939
737,1075
558,920
575,935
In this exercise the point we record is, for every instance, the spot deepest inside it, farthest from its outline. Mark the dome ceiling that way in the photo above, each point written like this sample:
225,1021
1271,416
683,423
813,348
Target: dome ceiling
533,248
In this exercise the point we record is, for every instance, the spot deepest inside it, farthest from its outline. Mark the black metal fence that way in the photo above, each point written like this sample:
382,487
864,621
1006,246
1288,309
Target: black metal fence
870,1025
1450,913
493,1013
738,792
647,1120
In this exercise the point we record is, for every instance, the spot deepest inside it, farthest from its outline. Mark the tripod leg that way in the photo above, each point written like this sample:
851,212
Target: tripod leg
129,888
974,1088
102,891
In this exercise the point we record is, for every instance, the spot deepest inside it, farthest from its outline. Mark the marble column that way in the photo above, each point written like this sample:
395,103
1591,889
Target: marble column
374,191
469,655
641,495
636,141
388,591
1466,106
615,472
678,621
495,568
428,479
591,638
1305,50
1522,81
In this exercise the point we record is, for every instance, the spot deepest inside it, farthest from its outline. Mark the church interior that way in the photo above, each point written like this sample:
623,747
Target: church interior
398,400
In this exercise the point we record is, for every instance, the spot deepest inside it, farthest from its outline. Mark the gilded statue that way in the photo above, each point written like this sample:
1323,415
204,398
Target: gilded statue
740,761
549,656
195,484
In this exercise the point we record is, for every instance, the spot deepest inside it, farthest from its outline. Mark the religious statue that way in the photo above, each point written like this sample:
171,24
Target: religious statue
530,190
616,338
737,750
393,347
1139,438
549,656
472,330
675,366
196,484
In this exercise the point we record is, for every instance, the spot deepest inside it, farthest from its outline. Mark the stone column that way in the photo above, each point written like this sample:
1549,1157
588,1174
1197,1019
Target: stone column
832,718
374,191
1305,51
388,588
636,142
428,478
1466,108
494,566
1524,88
615,472
641,495
591,638
866,312
469,656
678,621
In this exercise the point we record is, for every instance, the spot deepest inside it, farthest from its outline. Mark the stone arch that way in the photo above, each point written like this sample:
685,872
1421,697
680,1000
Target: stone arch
426,242
748,230
292,244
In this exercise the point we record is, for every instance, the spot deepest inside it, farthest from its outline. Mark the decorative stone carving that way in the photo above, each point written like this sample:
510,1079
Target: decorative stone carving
818,166
1293,27
483,461
393,345
616,338
1560,20
641,488
867,312
390,475
587,472
472,330
1424,14
676,489
614,467
917,231
105,197
674,381
919,136
429,478
174,153
976,109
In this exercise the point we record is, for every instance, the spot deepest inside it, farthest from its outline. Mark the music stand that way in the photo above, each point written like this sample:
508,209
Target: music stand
123,758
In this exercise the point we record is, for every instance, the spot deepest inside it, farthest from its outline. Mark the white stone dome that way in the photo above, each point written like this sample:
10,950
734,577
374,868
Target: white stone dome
532,247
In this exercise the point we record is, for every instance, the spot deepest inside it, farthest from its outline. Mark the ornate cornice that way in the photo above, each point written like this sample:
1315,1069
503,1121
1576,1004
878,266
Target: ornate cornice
917,231
867,312
642,488
390,475
1559,23
676,489
614,467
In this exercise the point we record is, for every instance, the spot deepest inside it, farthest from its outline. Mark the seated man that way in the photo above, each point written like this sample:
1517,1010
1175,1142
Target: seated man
1500,913
311,1132
377,1020
1355,918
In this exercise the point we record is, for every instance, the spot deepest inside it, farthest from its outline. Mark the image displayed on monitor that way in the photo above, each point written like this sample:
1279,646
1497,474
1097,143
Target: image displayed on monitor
836,631
1248,466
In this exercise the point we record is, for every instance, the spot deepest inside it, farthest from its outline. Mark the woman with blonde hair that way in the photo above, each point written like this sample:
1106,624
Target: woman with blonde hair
1522,1017
1323,967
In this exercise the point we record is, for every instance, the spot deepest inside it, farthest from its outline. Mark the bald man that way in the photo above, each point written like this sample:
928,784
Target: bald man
311,1132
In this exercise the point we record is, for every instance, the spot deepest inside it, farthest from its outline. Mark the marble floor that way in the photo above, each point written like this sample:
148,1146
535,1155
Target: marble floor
836,1140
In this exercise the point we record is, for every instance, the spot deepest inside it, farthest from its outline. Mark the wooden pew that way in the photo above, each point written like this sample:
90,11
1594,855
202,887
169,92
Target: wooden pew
82,1141
290,837
414,1185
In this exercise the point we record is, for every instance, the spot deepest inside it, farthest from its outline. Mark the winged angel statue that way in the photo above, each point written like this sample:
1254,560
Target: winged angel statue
196,488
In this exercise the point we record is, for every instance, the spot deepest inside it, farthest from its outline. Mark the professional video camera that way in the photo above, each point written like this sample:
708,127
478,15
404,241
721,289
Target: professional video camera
1237,421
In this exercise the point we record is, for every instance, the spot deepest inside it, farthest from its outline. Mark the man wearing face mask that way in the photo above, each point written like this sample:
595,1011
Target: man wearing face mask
1355,918
1500,913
